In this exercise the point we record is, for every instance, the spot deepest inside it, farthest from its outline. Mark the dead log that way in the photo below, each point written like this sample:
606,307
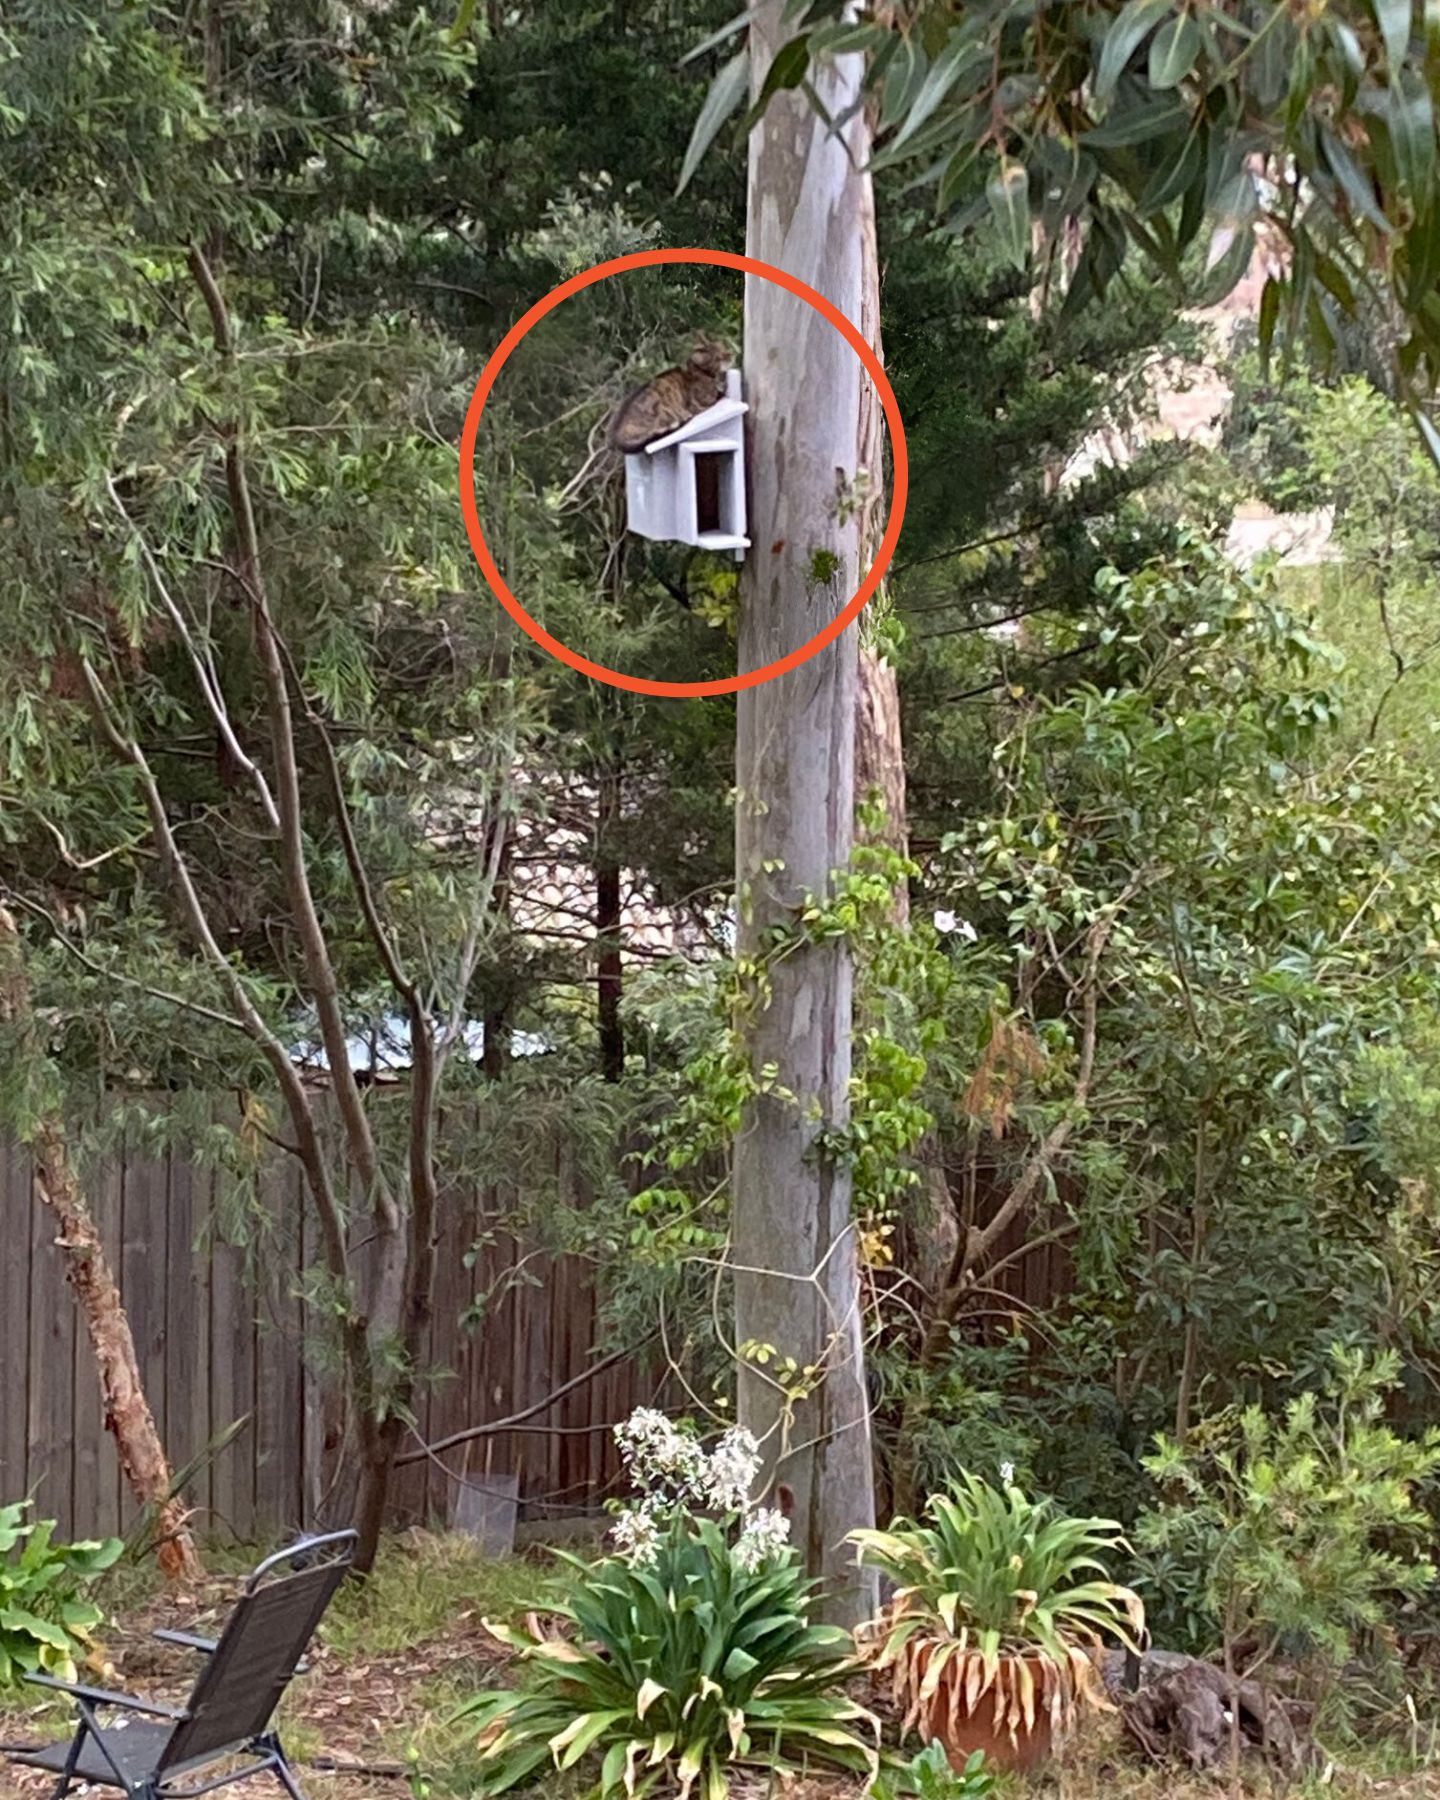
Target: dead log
1179,1714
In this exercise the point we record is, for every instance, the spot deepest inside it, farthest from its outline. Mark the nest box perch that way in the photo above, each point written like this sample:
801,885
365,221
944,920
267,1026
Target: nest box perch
689,486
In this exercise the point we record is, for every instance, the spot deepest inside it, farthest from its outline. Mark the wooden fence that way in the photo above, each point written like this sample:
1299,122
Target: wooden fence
222,1336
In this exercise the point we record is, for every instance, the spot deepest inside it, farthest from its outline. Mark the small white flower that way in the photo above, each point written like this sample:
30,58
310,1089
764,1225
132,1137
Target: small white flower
734,1464
636,1536
765,1535
1007,1473
945,921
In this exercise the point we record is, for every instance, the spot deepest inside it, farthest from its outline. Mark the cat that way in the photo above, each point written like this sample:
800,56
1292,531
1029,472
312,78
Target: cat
672,399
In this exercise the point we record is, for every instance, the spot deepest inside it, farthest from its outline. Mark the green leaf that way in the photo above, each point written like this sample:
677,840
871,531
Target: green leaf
1270,297
1172,51
727,91
1356,185
569,1745
958,55
787,70
903,80
1422,255
1394,18
1411,117
610,1769
1335,281
1139,124
1008,192
954,179
721,36
1123,39
1172,180
17,1618
844,39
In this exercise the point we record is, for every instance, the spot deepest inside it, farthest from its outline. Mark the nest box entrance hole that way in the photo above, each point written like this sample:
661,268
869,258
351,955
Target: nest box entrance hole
711,491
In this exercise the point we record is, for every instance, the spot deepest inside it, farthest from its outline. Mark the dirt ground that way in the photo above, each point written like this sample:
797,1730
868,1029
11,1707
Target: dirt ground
394,1658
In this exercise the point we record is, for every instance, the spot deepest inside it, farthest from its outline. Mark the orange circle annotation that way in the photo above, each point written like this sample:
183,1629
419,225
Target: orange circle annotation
649,259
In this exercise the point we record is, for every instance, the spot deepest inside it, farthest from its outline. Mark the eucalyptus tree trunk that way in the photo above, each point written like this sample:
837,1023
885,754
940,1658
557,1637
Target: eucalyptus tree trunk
87,1268
797,1291
879,749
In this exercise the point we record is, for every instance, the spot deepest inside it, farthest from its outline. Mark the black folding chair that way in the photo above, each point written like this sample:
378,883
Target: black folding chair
229,1712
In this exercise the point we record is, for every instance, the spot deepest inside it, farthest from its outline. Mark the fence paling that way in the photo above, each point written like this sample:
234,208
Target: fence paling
218,1345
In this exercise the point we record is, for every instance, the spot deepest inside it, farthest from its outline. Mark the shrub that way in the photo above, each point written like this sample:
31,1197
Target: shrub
1301,1528
46,1616
688,1654
998,1592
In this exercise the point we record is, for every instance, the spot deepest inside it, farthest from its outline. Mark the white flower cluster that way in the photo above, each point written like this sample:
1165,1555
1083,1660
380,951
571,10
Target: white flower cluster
663,1462
675,1473
765,1535
636,1536
734,1464
671,1467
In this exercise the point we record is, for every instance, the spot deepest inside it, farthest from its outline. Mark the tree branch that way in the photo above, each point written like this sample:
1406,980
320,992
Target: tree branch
144,987
320,970
332,1225
980,1241
515,1419
202,665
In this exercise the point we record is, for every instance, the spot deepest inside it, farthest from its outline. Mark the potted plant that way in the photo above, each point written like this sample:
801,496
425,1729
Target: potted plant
998,1601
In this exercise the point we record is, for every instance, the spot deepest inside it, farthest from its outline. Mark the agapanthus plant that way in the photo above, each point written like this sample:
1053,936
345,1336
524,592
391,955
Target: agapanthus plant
687,1653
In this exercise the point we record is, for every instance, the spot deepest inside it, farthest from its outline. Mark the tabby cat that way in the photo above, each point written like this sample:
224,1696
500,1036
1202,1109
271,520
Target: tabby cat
672,399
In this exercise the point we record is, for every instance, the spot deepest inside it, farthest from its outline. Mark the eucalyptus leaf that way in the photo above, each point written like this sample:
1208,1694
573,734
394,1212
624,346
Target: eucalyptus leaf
729,88
1173,50
1008,195
1128,31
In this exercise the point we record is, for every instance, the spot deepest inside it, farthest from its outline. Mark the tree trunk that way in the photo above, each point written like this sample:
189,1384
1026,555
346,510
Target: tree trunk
879,750
372,1501
610,971
1199,1228
797,1281
87,1269
495,1021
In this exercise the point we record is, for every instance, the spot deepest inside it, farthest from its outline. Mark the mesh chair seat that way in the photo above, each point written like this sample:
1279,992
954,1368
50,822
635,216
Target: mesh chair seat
135,1747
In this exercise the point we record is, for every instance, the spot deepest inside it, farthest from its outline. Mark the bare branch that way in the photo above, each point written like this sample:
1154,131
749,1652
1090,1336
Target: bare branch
197,1007
512,1420
320,970
82,864
203,666
286,1074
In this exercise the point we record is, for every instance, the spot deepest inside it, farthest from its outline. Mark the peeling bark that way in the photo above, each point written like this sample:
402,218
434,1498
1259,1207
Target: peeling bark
797,1280
127,1412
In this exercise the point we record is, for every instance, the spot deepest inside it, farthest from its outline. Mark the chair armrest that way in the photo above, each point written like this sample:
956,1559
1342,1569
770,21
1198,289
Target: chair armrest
103,1697
186,1640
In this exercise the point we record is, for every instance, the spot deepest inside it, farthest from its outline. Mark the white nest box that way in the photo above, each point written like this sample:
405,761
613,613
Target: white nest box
689,486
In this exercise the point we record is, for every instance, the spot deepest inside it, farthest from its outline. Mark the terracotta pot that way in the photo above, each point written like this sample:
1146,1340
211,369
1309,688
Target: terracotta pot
963,1730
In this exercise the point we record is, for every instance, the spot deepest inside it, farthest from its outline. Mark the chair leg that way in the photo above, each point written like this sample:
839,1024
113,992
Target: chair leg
62,1787
283,1772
